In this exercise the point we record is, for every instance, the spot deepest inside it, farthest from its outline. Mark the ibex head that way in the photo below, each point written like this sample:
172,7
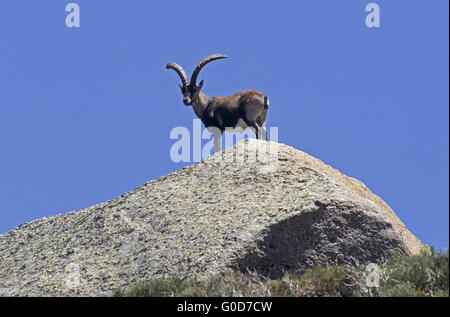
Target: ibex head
191,90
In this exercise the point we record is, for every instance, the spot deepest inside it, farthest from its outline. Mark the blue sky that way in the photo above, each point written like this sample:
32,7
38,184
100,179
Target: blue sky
86,113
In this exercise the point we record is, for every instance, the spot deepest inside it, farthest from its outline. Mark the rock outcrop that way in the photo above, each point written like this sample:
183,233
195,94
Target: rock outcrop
281,212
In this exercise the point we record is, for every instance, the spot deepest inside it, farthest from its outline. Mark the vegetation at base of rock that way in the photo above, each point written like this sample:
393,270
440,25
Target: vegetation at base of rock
424,275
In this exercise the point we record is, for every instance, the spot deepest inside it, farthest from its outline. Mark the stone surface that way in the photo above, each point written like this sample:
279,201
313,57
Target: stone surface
279,212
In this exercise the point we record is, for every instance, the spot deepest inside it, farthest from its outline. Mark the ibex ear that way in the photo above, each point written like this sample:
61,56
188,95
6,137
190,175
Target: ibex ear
200,85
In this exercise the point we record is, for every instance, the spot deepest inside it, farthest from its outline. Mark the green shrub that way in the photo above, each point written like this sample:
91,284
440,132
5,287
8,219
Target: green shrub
426,274
154,288
217,287
281,288
402,290
329,281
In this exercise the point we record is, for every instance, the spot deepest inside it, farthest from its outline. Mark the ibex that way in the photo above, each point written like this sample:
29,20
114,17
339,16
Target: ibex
245,109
